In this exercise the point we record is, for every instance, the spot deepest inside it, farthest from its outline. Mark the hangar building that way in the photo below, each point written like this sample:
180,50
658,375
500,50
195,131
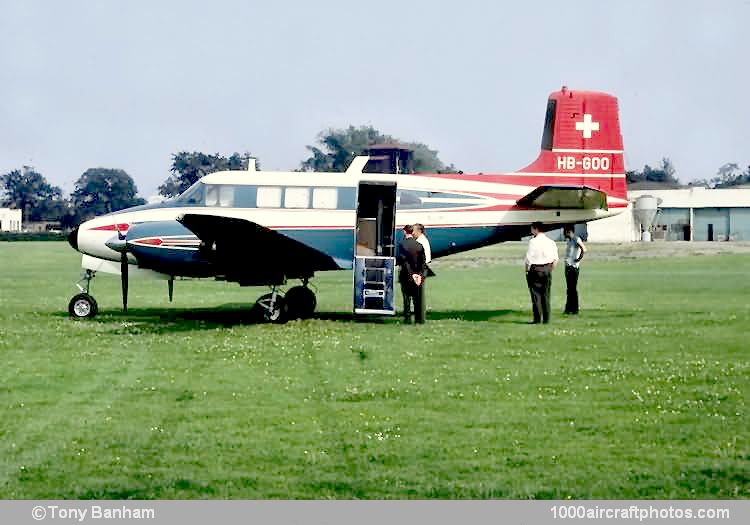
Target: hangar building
687,214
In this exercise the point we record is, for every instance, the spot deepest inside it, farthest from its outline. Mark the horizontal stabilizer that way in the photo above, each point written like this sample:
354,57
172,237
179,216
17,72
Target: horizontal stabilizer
565,197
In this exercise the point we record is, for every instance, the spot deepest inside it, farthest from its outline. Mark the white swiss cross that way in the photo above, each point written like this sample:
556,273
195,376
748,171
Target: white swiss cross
587,126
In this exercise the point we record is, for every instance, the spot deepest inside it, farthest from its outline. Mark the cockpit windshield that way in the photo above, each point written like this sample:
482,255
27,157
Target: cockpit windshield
194,195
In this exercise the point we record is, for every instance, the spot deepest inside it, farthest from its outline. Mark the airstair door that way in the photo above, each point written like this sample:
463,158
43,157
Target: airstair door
374,249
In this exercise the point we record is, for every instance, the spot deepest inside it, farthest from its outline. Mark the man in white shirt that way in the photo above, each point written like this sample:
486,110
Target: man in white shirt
424,241
421,238
541,258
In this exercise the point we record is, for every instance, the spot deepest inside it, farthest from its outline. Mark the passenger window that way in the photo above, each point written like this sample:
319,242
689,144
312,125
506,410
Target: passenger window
297,198
269,197
245,196
326,198
220,195
226,196
212,195
347,198
408,199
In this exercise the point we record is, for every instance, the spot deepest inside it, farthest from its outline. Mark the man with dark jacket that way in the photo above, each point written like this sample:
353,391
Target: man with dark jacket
411,258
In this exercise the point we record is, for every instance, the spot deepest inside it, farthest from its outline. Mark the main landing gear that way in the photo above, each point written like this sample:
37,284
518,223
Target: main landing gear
298,303
83,305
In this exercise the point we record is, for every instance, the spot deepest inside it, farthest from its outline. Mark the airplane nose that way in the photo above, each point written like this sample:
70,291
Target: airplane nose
73,238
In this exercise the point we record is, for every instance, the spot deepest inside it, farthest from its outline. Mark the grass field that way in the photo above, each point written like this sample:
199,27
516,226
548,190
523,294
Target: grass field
644,395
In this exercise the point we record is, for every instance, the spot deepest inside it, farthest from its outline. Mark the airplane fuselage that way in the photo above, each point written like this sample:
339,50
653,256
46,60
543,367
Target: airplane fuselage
461,212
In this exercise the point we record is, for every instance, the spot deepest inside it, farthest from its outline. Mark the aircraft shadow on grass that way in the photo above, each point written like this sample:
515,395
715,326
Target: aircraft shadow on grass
161,320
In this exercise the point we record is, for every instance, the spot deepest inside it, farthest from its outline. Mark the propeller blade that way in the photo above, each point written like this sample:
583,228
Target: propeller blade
124,279
170,288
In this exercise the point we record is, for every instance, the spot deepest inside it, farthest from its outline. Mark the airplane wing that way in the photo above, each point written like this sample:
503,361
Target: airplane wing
250,254
565,197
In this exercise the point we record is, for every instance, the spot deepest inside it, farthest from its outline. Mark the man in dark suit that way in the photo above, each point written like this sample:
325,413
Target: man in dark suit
412,261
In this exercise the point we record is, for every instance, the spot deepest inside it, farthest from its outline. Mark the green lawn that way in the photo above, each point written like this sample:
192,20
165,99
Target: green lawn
644,395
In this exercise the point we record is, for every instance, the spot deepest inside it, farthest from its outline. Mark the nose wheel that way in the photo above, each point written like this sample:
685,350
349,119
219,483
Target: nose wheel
83,305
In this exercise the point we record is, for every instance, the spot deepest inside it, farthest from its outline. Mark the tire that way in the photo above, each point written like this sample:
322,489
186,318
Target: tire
277,314
301,302
82,306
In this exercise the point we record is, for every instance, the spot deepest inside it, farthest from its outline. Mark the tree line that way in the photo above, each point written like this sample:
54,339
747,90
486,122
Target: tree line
727,176
104,190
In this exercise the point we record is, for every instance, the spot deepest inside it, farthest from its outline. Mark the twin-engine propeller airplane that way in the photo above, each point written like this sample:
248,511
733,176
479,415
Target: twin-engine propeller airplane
266,228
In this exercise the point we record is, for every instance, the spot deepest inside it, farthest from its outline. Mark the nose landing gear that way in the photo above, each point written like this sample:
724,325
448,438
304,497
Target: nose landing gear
83,305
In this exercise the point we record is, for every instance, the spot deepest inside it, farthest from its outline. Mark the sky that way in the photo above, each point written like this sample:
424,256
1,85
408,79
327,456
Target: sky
125,85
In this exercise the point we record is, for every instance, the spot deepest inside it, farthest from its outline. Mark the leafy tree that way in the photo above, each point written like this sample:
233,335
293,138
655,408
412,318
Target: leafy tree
664,174
28,190
337,147
189,167
727,175
104,190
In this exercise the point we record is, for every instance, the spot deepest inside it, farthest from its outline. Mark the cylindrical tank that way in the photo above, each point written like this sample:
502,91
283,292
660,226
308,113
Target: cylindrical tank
644,212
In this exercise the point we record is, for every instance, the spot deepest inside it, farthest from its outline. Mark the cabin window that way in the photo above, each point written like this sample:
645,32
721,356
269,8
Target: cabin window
347,197
269,197
325,198
245,196
297,198
219,195
408,199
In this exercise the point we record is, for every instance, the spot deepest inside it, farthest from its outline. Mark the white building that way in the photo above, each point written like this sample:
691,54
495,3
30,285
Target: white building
688,214
10,220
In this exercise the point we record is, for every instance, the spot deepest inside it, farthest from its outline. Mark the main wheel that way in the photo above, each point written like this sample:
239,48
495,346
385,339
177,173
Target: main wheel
272,311
301,302
82,306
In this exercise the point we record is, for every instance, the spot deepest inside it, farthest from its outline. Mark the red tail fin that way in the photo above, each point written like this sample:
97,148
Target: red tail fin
582,137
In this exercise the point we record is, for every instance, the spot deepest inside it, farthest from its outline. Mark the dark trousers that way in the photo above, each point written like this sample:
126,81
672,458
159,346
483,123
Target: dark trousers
412,294
423,300
539,279
571,281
